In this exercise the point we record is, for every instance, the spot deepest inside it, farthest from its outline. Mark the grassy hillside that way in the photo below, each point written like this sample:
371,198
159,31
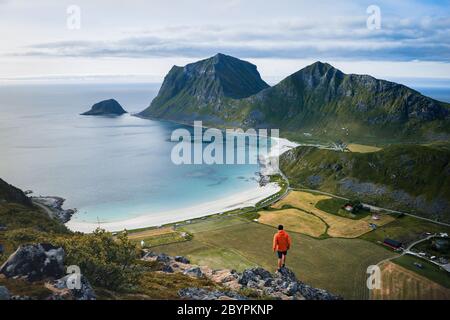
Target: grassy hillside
413,178
9,193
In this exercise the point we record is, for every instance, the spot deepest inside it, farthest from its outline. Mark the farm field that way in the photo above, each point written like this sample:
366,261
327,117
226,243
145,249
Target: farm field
399,283
240,243
158,236
361,148
339,227
429,270
294,220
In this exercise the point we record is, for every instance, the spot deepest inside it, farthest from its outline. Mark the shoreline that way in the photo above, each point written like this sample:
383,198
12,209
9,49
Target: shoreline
244,199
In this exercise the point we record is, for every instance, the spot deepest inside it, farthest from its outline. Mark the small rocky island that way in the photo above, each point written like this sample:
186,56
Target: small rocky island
105,108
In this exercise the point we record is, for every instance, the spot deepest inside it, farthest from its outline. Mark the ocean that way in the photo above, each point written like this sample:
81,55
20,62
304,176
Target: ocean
109,168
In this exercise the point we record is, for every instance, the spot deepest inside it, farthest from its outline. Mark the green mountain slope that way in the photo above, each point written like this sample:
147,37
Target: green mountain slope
324,101
9,193
413,178
319,100
199,90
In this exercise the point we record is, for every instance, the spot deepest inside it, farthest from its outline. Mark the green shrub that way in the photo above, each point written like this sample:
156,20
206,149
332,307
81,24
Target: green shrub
106,261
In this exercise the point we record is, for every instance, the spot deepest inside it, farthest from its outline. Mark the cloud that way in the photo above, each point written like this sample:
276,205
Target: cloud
336,38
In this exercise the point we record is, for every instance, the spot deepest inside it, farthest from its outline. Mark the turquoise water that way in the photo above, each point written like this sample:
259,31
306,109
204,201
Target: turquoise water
108,168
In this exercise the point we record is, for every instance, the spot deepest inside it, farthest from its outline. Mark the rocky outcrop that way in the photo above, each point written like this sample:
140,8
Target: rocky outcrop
46,262
259,282
55,204
35,262
104,108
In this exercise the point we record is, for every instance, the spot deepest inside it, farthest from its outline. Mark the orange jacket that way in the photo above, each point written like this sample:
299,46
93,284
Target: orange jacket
281,241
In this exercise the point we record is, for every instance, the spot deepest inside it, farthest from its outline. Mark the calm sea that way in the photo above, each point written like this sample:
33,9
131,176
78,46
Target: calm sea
108,168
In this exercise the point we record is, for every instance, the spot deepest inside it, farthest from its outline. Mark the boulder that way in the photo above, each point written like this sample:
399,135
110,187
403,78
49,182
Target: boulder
286,274
73,287
163,258
148,255
254,275
310,293
194,272
282,285
167,269
181,259
35,262
4,293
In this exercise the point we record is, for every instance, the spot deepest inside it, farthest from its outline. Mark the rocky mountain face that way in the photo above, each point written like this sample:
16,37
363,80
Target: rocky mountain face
412,178
318,99
9,193
201,89
106,107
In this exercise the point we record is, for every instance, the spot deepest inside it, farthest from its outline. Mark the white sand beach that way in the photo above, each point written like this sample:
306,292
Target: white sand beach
241,200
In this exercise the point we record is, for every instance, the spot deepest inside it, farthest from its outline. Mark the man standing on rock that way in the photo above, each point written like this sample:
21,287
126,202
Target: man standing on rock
281,244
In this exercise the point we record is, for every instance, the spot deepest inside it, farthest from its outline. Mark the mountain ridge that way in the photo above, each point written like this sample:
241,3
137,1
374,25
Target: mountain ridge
319,99
204,85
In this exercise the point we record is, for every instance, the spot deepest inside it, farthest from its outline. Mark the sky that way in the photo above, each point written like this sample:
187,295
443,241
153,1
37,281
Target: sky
137,40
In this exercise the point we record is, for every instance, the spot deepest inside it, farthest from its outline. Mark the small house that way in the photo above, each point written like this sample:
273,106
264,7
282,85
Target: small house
392,243
348,207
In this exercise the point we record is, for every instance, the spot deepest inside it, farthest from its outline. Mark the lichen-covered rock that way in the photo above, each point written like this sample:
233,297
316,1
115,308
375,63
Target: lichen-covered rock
72,287
194,272
35,262
167,269
181,259
163,258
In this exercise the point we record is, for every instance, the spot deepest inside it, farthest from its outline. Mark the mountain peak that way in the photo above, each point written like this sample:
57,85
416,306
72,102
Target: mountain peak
320,67
206,83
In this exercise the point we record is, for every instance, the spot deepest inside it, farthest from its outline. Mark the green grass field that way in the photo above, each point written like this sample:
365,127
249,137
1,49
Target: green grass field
337,265
405,229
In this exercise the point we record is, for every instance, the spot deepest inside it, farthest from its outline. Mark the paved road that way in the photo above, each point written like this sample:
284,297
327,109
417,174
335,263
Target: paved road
50,213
